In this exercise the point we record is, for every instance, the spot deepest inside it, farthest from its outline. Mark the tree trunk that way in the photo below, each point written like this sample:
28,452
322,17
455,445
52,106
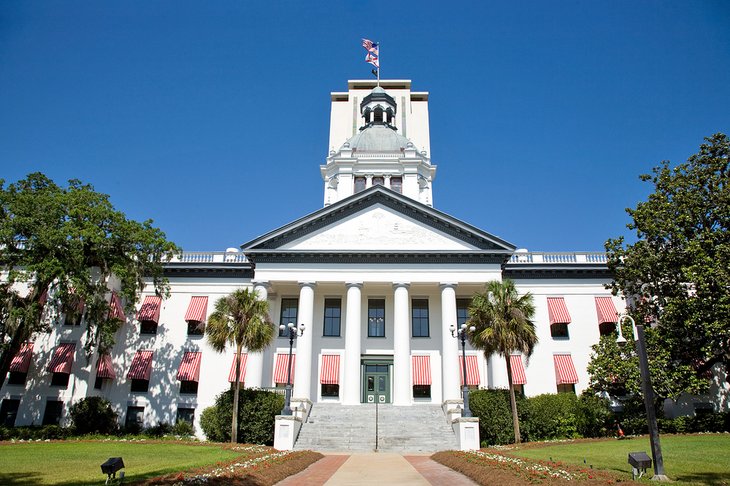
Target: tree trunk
234,419
513,402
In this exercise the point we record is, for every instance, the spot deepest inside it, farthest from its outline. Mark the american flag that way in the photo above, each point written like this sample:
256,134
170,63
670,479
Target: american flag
372,59
370,46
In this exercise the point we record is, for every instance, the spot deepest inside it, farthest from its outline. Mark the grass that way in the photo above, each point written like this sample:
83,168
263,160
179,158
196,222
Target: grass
78,462
690,459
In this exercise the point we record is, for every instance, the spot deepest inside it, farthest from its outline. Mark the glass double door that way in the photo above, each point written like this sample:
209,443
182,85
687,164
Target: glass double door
376,383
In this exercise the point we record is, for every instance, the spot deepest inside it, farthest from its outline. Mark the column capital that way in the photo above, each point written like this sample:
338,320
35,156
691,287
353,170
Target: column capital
353,284
397,285
306,283
448,285
261,283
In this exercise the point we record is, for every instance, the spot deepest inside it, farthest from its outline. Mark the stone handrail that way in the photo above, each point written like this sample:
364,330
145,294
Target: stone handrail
209,257
558,257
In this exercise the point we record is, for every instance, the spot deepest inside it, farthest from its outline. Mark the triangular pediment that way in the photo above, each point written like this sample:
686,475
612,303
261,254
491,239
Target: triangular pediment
378,220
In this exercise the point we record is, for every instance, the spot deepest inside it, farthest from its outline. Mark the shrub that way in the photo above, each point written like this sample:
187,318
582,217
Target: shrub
495,416
553,416
51,432
182,427
93,415
594,417
162,428
257,410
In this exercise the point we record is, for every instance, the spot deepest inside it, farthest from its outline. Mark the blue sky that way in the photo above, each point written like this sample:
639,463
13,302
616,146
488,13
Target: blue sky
211,118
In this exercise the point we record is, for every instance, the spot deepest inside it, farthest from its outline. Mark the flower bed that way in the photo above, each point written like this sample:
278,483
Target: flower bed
493,467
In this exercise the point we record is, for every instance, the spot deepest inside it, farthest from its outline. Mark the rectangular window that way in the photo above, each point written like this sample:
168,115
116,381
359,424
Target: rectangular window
52,415
376,318
559,330
419,317
288,314
60,380
140,386
135,418
9,411
196,328
566,388
98,383
462,311
331,391
17,378
72,319
607,328
519,389
421,391
189,387
185,414
396,184
332,317
148,327
378,181
359,184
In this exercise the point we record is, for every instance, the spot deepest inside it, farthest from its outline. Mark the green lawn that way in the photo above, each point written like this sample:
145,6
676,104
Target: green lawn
690,459
78,463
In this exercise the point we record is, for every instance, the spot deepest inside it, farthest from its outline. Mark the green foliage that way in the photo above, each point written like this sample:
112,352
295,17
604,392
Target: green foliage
159,430
495,416
70,241
257,410
553,416
679,269
93,415
594,418
50,432
184,428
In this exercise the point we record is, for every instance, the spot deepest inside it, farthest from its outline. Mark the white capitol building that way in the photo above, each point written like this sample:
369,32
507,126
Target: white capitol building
377,277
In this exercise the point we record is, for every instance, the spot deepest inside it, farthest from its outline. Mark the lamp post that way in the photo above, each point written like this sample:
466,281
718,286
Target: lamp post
293,332
656,449
461,334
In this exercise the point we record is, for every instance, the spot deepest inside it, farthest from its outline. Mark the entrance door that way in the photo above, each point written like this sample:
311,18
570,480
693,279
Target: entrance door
377,383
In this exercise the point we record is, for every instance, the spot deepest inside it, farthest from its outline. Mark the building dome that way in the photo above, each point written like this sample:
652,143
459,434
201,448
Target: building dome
378,138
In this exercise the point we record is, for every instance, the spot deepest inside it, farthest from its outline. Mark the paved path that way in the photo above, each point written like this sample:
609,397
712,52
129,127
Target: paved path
376,468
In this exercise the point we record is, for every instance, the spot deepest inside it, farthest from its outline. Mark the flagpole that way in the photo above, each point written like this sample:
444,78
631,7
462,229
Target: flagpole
378,63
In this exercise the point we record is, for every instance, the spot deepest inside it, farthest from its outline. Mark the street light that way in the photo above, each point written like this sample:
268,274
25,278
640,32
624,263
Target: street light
293,332
461,334
656,449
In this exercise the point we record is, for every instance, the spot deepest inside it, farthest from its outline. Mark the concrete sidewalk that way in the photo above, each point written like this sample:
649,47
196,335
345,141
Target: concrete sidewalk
376,468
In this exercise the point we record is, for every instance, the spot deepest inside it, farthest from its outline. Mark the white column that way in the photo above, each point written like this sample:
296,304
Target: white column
303,367
401,346
255,362
449,345
350,383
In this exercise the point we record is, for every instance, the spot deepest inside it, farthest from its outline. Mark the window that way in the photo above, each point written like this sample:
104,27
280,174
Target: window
17,378
98,383
519,389
52,415
185,414
421,391
607,328
378,181
140,386
332,316
196,328
73,319
60,380
148,327
330,391
559,330
135,418
359,184
566,388
462,311
378,118
189,387
288,314
9,411
396,184
419,317
376,318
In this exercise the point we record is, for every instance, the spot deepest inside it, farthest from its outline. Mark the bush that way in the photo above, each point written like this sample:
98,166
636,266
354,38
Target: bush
257,410
51,432
594,417
183,428
495,416
553,416
162,428
93,415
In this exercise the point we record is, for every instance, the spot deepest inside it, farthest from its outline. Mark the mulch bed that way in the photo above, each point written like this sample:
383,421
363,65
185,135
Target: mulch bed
494,467
256,466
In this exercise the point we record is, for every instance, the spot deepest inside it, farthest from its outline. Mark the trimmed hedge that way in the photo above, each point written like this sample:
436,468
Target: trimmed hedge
93,415
257,410
493,409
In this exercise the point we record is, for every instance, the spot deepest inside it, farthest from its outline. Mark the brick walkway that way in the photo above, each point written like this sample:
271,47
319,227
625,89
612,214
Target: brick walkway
376,468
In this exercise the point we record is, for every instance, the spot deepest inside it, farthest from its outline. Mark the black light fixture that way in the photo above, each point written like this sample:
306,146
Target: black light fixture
461,334
293,332
111,466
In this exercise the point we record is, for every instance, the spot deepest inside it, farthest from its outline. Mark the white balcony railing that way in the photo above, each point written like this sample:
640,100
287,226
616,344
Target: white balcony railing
558,257
210,257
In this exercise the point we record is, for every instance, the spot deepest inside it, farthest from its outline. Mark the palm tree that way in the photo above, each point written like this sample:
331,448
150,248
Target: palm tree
503,325
242,320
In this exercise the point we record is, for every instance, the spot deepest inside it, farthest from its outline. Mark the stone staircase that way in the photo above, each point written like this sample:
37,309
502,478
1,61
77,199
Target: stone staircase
340,428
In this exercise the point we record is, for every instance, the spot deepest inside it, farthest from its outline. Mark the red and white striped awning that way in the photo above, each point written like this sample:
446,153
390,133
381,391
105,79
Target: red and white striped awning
197,309
62,359
564,369
472,370
141,366
421,370
189,369
281,370
558,311
104,367
606,310
518,369
150,310
21,361
330,369
116,311
241,371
